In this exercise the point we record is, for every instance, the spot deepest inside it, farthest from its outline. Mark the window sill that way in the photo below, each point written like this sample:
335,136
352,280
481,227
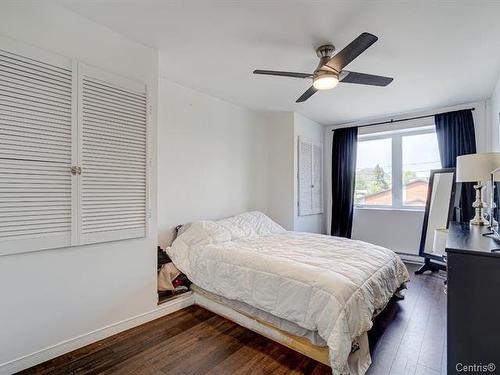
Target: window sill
382,208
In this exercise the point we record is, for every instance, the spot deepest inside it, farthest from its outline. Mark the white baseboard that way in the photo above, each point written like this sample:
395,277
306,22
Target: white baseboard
66,346
410,258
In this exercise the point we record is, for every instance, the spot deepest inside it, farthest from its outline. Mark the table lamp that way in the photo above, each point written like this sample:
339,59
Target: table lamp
477,168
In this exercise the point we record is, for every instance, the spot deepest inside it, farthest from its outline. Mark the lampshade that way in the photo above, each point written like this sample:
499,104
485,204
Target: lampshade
477,167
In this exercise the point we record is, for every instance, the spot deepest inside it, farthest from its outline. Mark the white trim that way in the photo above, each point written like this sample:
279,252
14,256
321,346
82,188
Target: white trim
390,208
411,258
76,136
149,110
397,171
66,346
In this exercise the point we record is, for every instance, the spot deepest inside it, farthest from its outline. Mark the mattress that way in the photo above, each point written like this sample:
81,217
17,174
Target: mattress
329,285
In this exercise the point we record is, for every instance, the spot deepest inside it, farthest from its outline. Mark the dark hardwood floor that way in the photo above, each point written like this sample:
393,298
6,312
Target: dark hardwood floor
407,338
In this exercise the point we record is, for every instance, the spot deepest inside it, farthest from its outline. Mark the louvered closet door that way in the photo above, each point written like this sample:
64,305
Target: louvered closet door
305,176
113,120
310,170
317,181
35,149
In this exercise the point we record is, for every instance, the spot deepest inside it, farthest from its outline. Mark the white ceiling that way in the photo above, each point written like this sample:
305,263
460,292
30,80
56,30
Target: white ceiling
439,53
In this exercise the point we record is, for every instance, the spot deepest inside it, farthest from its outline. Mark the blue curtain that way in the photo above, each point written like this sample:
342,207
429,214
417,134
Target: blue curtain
344,148
456,137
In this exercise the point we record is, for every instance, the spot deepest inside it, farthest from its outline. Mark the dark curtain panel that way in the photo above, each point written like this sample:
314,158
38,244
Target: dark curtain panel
343,178
456,137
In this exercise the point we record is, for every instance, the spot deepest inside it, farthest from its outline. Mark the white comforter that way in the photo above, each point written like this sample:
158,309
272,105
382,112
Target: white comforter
329,284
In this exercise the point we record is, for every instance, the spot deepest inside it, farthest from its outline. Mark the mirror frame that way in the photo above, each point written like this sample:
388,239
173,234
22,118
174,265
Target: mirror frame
423,237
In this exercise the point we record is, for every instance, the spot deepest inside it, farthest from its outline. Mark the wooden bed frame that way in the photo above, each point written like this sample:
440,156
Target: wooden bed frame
297,343
266,329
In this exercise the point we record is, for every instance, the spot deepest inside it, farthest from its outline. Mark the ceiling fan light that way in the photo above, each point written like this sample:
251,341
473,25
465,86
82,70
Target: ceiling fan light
325,82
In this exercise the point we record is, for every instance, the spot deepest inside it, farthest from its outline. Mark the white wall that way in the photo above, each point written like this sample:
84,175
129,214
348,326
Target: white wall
217,159
281,131
304,127
212,158
280,167
398,230
51,296
494,117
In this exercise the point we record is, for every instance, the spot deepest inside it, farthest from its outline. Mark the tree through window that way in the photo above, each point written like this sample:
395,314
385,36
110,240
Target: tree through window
374,173
393,168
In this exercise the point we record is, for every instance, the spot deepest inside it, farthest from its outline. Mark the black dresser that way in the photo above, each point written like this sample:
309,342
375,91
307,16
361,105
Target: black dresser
473,300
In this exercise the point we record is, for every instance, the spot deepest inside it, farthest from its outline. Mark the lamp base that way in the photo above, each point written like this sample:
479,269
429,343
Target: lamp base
479,206
479,221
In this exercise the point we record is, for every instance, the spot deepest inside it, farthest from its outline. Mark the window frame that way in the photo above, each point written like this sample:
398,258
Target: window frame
396,136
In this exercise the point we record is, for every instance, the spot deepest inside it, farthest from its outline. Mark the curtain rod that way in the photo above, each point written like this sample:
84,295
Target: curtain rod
402,119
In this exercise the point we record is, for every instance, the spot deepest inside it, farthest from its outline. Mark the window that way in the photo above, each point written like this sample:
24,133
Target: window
72,152
393,168
374,173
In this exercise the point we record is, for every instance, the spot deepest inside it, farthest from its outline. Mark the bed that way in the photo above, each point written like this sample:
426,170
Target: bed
314,293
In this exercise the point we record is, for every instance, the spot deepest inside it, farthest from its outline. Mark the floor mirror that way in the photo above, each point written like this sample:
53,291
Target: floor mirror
438,213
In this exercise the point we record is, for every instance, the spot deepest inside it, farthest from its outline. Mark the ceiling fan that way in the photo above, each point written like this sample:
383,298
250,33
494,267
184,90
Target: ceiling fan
330,68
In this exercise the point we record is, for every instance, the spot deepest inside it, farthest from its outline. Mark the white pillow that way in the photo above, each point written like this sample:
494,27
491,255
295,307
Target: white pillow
197,235
253,223
202,233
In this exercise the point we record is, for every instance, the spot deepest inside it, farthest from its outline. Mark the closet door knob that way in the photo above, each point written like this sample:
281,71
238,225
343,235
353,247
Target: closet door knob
76,170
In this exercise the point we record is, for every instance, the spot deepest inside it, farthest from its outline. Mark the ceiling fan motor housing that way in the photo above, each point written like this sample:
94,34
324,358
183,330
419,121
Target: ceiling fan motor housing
325,50
325,53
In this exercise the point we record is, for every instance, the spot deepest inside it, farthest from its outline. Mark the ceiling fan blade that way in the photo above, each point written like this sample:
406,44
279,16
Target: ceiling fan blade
310,91
283,74
364,79
353,50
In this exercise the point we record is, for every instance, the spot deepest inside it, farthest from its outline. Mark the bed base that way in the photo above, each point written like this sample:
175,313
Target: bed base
297,343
